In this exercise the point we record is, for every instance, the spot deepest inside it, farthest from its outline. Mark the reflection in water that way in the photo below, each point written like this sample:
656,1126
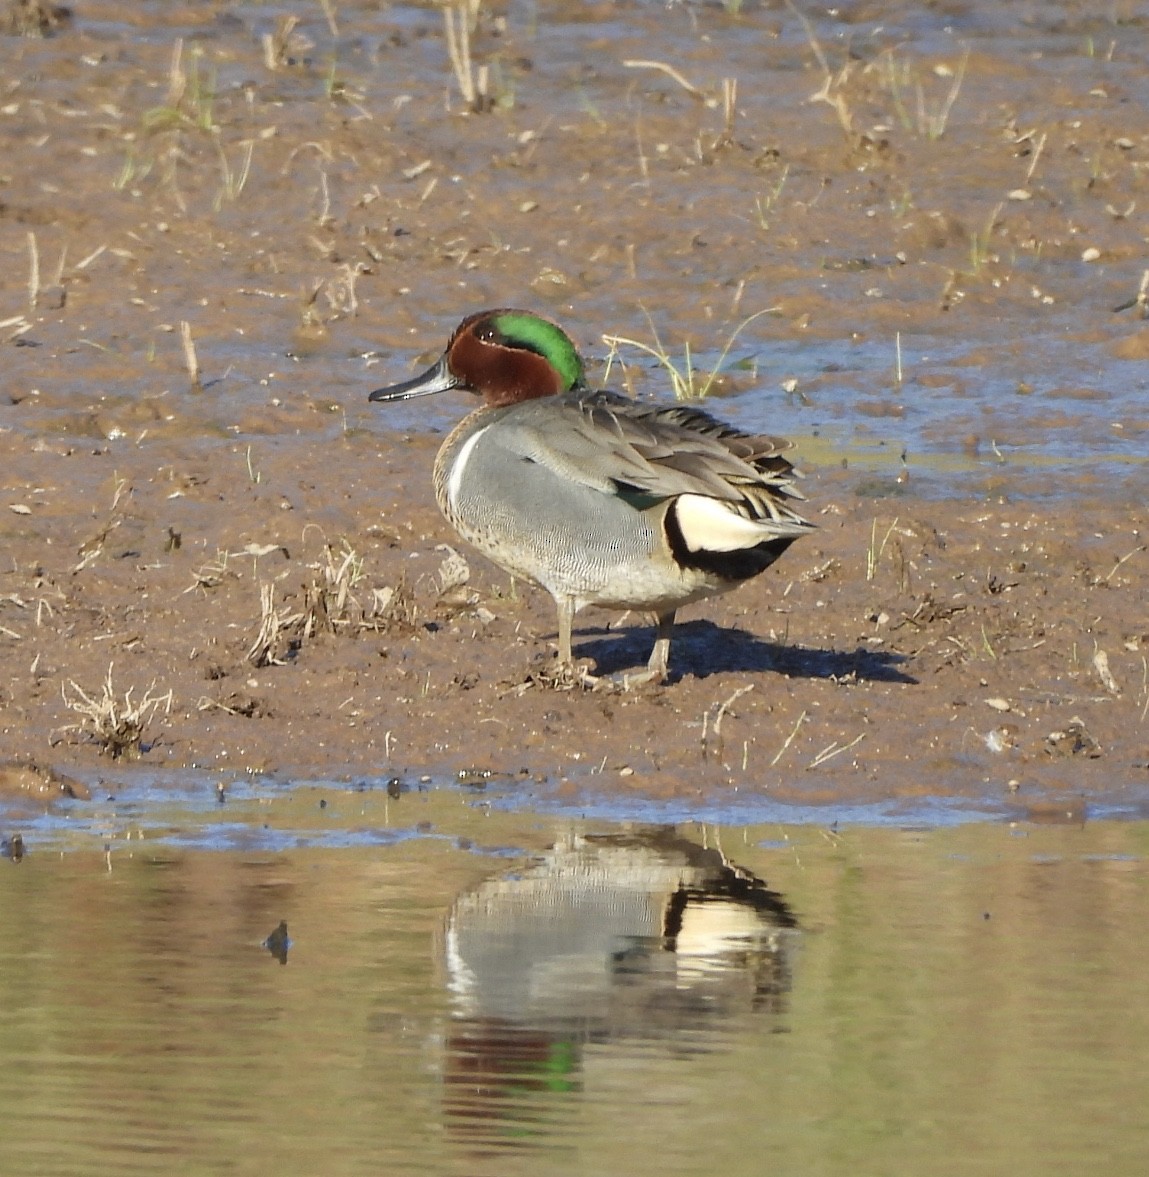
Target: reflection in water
644,937
434,1024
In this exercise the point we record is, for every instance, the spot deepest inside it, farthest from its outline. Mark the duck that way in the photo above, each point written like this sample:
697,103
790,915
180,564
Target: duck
595,497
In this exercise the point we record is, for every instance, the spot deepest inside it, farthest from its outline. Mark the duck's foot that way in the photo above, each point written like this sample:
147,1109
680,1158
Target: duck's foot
578,675
624,680
560,676
638,679
657,669
567,676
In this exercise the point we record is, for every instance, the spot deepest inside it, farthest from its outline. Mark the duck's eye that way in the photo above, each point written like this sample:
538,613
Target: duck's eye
486,333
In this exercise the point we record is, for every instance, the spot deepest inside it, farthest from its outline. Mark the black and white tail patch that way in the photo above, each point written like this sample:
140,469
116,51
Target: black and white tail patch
707,534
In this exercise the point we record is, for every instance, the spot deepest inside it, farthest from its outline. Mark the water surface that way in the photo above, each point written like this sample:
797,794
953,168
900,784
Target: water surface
471,988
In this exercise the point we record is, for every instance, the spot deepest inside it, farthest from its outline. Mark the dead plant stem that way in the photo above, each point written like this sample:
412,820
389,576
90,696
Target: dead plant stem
789,740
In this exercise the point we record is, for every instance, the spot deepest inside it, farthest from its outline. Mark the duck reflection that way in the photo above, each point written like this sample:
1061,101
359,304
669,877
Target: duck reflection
643,938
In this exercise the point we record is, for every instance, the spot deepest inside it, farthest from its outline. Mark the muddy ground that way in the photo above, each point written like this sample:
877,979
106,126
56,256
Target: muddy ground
240,540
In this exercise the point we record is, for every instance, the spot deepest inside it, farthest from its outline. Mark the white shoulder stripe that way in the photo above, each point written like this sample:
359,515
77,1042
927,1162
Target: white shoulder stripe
455,482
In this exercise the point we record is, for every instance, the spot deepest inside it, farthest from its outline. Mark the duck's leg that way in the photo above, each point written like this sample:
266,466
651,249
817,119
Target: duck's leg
567,672
657,668
566,624
659,663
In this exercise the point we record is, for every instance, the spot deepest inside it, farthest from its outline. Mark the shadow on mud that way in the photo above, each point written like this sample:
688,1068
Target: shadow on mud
701,648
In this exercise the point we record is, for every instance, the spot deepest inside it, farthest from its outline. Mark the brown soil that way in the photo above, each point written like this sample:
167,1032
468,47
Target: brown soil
966,643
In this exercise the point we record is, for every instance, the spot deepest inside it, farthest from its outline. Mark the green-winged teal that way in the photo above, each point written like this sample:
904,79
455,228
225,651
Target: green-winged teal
599,499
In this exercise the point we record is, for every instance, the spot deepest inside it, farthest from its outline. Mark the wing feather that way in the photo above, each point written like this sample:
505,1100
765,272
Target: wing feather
619,446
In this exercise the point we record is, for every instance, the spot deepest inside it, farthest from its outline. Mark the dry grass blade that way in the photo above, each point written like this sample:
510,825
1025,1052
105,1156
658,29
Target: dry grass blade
329,14
832,750
875,551
118,727
392,609
275,45
934,125
459,20
212,573
191,360
268,649
687,382
1128,556
789,739
832,83
328,602
714,735
233,180
33,273
671,73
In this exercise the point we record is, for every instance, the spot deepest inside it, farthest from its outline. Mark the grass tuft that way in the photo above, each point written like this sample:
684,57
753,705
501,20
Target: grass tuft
333,601
688,383
460,19
117,726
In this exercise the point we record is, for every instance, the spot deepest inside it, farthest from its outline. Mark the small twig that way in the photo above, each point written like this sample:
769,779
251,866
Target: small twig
726,706
1040,146
459,17
987,643
874,554
1127,556
190,359
671,73
33,272
789,740
205,704
815,45
275,44
830,81
832,750
329,14
324,217
937,125
86,262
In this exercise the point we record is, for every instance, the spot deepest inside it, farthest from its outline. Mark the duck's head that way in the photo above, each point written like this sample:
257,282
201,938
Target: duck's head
505,356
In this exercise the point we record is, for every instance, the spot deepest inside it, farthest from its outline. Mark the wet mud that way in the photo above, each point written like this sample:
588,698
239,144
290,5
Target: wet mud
219,233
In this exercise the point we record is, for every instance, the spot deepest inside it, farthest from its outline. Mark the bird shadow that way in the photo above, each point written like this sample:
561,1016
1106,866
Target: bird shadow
702,648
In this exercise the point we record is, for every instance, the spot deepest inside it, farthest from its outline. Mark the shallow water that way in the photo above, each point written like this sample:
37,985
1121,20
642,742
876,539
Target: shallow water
470,987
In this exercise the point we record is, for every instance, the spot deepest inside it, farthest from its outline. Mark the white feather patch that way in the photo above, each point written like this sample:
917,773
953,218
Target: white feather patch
455,482
708,525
